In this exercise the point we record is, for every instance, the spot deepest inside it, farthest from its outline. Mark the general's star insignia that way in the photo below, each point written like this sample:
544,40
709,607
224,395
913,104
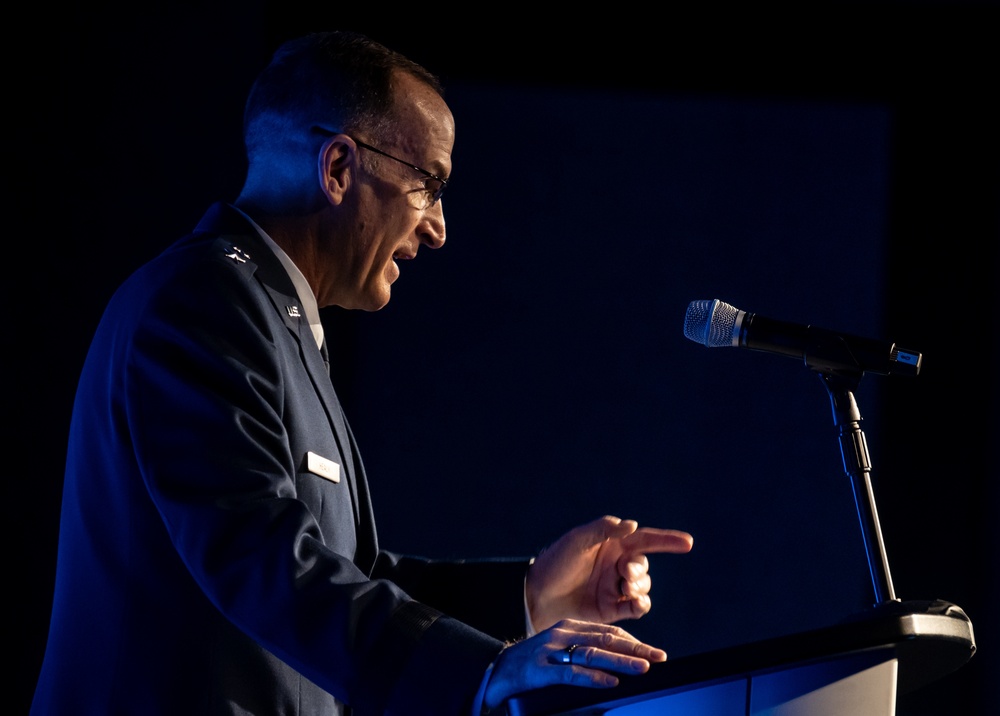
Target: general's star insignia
237,254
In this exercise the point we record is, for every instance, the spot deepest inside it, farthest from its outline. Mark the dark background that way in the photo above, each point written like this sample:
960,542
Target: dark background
835,165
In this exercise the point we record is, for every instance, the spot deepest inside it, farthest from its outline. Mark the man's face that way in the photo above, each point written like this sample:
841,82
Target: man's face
388,227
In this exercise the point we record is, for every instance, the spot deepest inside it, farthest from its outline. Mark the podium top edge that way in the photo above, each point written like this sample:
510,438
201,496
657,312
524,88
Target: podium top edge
928,639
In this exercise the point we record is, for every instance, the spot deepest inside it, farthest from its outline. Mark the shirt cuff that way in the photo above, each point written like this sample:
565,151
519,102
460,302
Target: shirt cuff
529,628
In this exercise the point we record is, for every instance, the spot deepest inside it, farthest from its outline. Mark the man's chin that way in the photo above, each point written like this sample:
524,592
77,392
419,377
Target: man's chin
379,301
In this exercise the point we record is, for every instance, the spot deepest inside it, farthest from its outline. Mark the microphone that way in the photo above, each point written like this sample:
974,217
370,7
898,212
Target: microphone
715,324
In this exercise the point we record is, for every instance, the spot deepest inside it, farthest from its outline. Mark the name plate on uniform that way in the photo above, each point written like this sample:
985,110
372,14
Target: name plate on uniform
319,465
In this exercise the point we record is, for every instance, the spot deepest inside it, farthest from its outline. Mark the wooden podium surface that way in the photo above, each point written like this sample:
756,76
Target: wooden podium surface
928,639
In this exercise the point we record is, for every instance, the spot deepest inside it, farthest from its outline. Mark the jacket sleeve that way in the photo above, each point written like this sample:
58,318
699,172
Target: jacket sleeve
485,593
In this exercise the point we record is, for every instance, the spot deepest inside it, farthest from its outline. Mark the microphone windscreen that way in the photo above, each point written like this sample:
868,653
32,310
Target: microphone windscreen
711,323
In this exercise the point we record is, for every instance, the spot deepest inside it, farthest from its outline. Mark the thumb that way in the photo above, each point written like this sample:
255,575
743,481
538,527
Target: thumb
614,528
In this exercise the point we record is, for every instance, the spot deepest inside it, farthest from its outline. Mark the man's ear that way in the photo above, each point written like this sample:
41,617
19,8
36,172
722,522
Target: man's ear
337,162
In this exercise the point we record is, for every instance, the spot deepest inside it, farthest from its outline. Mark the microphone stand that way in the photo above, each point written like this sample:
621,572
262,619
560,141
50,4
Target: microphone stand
938,635
854,451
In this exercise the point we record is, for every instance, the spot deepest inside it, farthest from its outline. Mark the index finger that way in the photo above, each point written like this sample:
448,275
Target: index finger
649,540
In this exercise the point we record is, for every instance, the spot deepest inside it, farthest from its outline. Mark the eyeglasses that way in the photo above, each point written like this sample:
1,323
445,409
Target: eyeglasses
419,200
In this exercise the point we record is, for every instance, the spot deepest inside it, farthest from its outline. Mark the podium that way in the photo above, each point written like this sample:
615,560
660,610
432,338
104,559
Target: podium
857,667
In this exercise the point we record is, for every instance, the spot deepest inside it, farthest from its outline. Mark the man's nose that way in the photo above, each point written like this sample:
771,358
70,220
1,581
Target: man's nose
431,227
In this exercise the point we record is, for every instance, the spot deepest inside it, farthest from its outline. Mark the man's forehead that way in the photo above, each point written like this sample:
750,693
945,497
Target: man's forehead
425,127
413,95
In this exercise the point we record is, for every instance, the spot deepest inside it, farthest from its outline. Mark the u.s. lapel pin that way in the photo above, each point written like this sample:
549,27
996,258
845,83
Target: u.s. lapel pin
319,465
293,311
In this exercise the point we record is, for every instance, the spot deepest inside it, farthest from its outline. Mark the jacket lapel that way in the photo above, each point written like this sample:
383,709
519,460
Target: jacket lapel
274,280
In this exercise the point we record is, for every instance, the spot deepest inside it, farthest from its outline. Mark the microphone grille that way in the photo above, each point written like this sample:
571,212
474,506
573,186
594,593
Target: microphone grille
711,323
